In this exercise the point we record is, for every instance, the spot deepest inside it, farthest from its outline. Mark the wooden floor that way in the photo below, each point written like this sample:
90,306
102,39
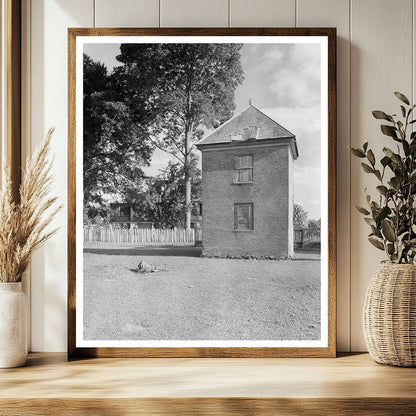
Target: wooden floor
347,385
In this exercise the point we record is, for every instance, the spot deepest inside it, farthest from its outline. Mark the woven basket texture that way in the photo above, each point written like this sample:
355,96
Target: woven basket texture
390,315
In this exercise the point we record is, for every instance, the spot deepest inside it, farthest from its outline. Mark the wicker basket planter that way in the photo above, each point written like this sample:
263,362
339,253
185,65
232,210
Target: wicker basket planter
390,315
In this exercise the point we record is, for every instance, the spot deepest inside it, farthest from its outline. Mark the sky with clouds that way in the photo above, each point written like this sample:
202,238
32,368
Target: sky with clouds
283,81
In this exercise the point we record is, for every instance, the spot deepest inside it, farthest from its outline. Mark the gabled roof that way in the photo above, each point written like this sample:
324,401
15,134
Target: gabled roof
234,129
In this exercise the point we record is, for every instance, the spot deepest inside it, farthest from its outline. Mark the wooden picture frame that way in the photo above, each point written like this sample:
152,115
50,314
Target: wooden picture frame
327,345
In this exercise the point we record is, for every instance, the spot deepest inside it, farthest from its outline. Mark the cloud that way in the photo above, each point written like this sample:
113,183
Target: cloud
305,123
297,78
292,72
159,161
307,191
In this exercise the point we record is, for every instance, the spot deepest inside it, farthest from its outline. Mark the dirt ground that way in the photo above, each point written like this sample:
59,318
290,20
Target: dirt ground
197,298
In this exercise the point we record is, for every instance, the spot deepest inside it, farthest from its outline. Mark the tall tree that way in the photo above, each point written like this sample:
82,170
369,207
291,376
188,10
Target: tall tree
300,216
164,200
115,147
177,91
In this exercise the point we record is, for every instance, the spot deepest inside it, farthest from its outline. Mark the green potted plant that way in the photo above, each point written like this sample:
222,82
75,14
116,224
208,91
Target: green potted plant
23,229
390,307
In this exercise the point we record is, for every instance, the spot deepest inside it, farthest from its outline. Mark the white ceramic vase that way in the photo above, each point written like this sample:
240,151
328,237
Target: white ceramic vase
13,325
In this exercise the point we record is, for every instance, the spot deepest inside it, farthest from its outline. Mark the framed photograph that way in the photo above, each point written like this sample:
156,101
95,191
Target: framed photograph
201,192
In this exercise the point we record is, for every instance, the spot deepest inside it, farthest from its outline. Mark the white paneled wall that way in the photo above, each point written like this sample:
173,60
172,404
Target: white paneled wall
381,63
335,13
49,20
266,13
375,58
194,13
129,13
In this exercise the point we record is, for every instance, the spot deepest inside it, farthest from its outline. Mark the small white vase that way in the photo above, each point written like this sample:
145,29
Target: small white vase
13,325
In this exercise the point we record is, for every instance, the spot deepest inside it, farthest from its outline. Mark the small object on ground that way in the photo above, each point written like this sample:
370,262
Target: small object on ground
144,267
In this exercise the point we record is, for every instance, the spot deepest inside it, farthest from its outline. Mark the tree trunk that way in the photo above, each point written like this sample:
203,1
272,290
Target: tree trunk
187,178
188,200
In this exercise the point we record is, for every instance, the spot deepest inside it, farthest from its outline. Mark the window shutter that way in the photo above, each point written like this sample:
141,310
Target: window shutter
235,177
236,165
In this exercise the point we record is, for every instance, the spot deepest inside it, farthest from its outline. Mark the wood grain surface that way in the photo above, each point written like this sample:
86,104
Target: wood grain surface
209,407
347,385
329,351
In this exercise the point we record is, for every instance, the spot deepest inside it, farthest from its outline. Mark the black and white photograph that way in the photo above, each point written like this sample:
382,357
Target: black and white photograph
204,191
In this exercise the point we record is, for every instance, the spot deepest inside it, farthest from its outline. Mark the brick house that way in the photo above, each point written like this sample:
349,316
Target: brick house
247,187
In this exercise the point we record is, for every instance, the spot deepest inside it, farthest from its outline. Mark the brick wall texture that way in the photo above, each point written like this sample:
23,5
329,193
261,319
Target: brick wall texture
269,194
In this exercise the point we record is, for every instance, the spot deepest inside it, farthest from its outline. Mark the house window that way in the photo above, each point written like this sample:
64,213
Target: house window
243,216
243,169
125,211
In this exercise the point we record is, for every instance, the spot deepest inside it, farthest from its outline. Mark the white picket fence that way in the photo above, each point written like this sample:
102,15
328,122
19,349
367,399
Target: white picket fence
109,234
304,236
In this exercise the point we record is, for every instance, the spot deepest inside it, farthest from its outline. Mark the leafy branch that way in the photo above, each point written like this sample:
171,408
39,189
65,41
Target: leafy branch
392,218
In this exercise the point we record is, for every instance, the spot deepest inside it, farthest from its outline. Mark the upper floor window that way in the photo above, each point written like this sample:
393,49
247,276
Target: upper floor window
124,211
243,169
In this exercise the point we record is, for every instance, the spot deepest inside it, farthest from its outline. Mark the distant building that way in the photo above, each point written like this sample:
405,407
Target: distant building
247,187
196,215
123,214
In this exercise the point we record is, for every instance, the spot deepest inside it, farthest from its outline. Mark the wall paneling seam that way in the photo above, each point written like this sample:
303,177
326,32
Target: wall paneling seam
296,13
30,147
349,172
413,57
27,25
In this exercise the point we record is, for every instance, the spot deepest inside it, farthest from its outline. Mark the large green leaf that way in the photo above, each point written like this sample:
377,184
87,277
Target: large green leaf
391,155
385,160
376,231
389,131
370,157
388,230
406,147
381,115
366,168
357,152
374,205
362,210
382,189
382,214
394,182
402,97
390,248
376,243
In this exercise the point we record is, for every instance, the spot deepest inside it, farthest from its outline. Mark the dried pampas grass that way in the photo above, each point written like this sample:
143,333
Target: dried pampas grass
23,225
